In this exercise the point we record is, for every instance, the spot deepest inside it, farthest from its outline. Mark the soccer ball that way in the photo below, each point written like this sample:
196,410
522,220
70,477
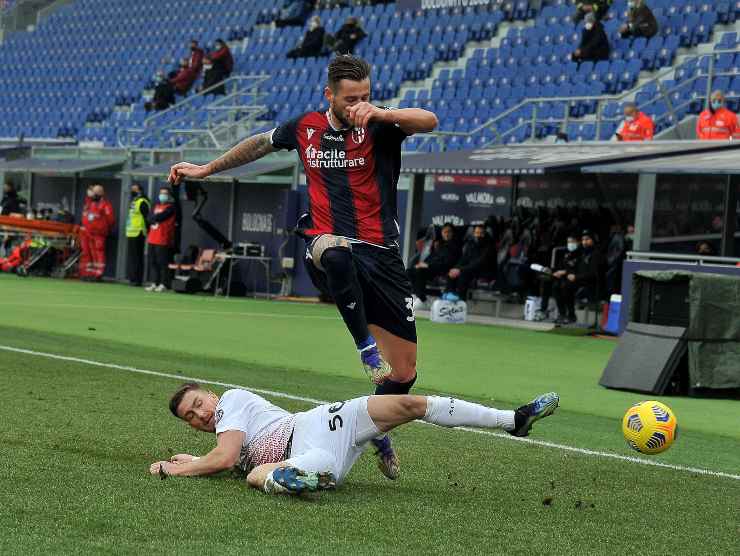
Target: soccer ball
650,427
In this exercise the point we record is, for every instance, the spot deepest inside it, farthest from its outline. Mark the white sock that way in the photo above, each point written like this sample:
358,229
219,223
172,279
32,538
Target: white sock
452,412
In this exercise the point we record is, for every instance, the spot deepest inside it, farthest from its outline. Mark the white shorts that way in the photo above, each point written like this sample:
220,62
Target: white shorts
337,433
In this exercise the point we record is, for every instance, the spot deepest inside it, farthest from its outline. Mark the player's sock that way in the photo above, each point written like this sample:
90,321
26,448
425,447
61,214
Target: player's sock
392,387
344,287
453,412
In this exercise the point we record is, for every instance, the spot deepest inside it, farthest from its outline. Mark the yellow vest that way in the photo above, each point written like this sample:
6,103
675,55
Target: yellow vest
135,223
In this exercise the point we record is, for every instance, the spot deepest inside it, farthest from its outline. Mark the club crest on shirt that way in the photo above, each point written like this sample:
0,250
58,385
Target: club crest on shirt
219,415
358,135
310,131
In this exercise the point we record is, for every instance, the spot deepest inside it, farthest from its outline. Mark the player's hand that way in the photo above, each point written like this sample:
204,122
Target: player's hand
186,170
559,274
362,113
422,265
181,458
571,277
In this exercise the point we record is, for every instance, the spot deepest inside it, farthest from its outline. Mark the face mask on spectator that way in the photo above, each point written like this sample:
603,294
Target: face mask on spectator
631,4
96,197
163,197
629,118
716,104
89,193
207,66
589,26
572,246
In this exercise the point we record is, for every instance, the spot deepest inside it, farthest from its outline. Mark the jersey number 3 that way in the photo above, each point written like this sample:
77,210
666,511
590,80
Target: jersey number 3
336,421
410,307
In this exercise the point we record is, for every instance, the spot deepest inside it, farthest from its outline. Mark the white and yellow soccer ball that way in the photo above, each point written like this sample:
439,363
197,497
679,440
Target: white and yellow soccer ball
650,427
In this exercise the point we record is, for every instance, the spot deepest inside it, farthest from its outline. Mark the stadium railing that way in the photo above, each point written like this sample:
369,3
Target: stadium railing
702,72
199,120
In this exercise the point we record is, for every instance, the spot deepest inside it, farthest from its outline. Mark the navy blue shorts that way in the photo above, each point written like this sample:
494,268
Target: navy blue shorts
386,289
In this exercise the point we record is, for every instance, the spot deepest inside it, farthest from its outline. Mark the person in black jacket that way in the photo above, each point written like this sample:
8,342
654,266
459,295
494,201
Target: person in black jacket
594,42
558,278
11,203
478,259
444,254
584,280
348,36
164,94
313,40
640,22
597,8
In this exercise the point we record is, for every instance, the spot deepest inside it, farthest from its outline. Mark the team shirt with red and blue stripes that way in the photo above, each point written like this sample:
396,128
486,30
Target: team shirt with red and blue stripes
352,176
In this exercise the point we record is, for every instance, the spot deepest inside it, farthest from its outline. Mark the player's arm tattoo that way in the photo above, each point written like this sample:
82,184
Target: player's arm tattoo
249,150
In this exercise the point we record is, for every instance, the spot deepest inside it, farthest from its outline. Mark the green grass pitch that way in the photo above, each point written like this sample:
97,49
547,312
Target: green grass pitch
77,439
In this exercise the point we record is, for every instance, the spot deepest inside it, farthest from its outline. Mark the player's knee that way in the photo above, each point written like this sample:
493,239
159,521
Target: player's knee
337,261
413,407
404,370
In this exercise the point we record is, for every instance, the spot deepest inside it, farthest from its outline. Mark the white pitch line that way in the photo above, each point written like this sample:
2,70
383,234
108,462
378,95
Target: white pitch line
275,394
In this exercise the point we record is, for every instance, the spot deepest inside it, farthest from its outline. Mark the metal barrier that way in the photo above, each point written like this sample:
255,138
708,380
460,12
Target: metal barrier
698,260
227,116
494,125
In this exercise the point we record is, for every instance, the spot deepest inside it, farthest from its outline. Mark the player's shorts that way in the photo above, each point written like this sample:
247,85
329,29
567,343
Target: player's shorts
341,429
386,289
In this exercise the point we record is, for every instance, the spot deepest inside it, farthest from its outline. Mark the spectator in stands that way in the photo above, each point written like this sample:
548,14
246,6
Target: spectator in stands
11,203
99,223
184,78
294,12
313,41
640,21
348,36
439,262
594,42
161,239
222,60
164,94
211,78
717,122
195,62
478,260
637,126
597,8
566,265
584,282
136,229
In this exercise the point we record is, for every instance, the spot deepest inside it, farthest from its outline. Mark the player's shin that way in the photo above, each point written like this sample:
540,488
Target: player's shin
453,412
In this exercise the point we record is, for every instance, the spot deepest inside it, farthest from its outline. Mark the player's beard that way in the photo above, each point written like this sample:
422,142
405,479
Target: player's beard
339,118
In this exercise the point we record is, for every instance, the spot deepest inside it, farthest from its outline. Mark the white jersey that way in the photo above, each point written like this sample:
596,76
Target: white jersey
267,428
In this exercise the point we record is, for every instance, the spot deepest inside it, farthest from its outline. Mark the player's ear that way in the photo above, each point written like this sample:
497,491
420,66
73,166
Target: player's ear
329,94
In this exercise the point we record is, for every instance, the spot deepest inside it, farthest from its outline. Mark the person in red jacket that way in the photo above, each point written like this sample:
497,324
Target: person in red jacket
196,57
161,239
222,59
184,78
717,122
637,126
98,222
84,238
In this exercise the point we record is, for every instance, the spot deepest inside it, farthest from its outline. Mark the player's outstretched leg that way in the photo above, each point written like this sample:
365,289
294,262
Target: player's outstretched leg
388,412
333,255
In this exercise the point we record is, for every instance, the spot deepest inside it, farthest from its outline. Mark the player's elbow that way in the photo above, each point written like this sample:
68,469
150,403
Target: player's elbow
433,122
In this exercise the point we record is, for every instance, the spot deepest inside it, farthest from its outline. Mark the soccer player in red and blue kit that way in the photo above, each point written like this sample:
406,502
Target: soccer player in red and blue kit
352,158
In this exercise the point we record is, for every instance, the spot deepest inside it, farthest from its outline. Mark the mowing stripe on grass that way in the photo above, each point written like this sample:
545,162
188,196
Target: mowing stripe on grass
544,443
168,310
